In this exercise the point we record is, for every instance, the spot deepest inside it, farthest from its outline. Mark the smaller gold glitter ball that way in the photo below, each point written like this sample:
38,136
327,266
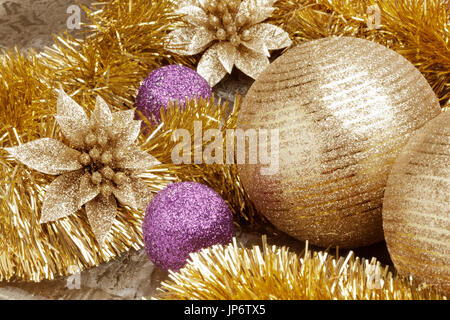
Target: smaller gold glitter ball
120,178
94,153
107,158
85,159
108,173
343,108
416,207
96,178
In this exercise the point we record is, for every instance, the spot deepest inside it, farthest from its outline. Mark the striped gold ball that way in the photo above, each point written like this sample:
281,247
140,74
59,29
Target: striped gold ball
344,108
416,208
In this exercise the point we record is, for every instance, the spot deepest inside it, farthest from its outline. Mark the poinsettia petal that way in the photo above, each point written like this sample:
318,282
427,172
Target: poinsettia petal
72,119
88,190
142,193
257,45
134,193
251,63
101,213
125,194
193,15
136,160
272,36
124,117
210,67
190,41
226,52
256,10
61,198
47,155
102,115
126,134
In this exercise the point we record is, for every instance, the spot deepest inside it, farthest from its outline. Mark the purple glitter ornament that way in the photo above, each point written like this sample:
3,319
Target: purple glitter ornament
184,218
173,82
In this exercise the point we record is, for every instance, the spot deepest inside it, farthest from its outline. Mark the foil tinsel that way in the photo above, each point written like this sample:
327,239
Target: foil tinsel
267,272
419,30
123,42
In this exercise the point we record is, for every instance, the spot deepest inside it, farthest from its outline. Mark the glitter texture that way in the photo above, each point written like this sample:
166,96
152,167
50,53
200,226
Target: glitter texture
271,272
344,108
169,83
416,207
106,150
182,219
231,32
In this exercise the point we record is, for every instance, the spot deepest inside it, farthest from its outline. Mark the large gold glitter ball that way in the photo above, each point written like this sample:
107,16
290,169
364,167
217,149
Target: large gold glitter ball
343,108
416,207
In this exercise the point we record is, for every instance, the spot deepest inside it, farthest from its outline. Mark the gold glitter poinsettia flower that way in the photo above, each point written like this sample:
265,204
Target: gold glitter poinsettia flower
101,168
233,34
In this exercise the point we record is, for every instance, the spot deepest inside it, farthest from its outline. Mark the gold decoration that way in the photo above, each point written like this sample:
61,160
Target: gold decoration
231,32
344,108
273,273
216,176
123,42
86,173
416,210
419,30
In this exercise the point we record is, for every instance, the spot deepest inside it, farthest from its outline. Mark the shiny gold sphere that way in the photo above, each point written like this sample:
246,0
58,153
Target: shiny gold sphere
343,107
416,207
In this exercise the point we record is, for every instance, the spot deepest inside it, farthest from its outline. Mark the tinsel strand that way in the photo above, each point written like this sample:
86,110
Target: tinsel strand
273,273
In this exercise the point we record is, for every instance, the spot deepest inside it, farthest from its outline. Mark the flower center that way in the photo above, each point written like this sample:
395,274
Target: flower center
98,161
225,22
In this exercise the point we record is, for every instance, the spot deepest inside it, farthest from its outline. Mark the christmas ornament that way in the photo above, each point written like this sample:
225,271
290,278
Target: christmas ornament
211,116
120,47
344,108
415,29
416,211
170,83
231,32
273,273
184,218
102,166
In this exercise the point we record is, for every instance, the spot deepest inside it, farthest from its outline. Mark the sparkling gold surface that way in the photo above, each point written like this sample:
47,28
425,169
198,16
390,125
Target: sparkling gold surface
344,108
231,32
124,40
416,207
273,273
419,30
80,182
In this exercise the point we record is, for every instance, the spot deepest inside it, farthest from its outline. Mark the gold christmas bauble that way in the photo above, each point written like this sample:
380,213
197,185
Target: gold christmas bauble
343,108
416,207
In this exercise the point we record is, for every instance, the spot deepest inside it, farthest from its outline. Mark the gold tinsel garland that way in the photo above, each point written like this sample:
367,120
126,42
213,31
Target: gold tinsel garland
124,42
273,273
419,30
